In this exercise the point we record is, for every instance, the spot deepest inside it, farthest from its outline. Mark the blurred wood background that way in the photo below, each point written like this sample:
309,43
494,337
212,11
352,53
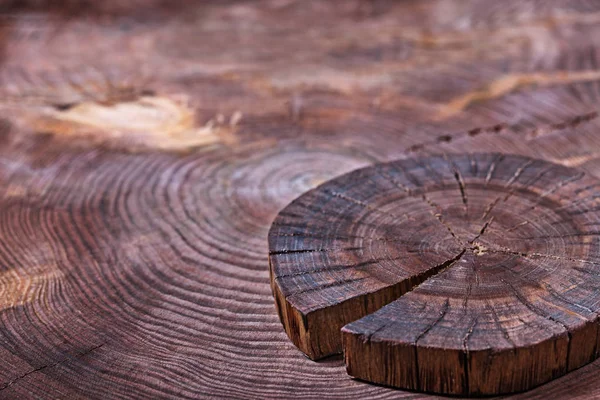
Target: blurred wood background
147,145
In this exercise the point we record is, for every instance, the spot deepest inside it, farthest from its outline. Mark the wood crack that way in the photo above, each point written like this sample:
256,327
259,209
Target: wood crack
539,312
555,294
48,366
499,324
533,308
505,250
508,184
466,354
435,208
300,251
554,189
482,230
365,205
460,181
503,127
430,273
441,316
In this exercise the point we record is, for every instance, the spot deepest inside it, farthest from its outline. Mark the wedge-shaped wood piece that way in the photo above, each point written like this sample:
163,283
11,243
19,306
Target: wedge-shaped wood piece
473,274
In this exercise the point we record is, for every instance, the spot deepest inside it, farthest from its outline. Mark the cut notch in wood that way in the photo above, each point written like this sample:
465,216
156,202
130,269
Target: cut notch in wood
437,298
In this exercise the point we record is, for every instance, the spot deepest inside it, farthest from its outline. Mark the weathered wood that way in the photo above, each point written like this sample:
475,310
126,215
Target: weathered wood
499,256
136,104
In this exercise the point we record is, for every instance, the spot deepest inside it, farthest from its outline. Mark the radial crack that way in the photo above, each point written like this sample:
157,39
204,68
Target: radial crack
508,184
292,251
553,189
533,308
493,165
548,192
482,230
505,250
499,324
365,205
461,186
443,312
430,273
436,212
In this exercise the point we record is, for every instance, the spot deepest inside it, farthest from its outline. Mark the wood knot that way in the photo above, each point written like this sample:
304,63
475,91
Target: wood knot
155,121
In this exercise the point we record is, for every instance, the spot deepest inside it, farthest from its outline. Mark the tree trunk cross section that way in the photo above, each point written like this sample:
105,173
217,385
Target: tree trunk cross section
467,274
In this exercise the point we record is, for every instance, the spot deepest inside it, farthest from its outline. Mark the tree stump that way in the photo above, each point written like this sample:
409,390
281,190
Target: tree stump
472,274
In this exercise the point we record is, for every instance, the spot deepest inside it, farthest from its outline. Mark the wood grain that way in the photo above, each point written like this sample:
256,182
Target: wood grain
134,250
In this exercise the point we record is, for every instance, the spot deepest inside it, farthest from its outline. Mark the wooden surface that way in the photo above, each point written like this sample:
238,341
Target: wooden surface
147,146
491,258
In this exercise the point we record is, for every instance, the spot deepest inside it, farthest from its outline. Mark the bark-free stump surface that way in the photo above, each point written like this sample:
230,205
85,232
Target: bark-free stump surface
470,274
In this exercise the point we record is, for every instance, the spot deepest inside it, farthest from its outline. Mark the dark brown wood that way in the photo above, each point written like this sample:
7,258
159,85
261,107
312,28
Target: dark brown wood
121,120
493,258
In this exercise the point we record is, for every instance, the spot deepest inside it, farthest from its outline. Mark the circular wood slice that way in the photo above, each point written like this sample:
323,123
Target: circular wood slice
473,274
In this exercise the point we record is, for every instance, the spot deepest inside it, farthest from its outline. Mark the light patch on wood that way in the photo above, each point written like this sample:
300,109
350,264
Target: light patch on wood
346,82
236,117
575,161
18,287
158,122
15,190
509,83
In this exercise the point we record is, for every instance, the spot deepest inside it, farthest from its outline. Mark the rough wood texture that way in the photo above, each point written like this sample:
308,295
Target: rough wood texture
498,254
147,146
